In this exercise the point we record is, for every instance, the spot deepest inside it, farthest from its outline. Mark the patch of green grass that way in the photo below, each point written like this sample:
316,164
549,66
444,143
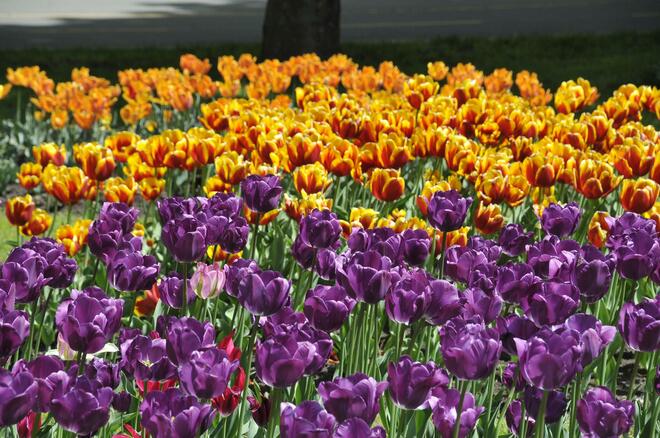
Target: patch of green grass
7,236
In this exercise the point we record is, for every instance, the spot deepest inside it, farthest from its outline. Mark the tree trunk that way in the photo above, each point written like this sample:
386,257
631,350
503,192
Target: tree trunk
295,27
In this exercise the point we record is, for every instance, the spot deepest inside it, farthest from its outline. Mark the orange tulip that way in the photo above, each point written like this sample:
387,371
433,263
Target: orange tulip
214,185
216,254
419,89
461,154
38,224
437,70
120,190
189,63
633,158
264,219
4,90
599,228
654,173
458,237
391,151
49,153
145,305
29,175
96,161
572,96
231,167
296,208
73,237
595,179
140,170
311,178
488,219
638,195
341,157
151,188
122,144
386,184
67,184
542,170
19,210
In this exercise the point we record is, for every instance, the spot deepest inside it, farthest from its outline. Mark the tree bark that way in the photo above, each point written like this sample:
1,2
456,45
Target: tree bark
296,27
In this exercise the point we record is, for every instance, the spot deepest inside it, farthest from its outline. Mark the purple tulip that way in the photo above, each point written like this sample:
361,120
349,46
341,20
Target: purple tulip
264,292
171,290
84,409
185,335
555,408
51,378
132,271
366,276
104,373
60,269
601,415
145,358
224,204
410,383
88,319
174,414
553,259
280,360
354,396
303,253
207,373
461,261
416,245
236,271
549,360
444,404
516,282
14,330
512,327
358,428
479,303
24,270
594,336
121,214
469,349
513,418
552,302
289,324
308,419
511,377
637,255
121,401
639,324
626,224
261,193
592,274
559,220
406,302
443,302
513,239
185,238
18,393
320,229
172,208
447,210
325,264
327,307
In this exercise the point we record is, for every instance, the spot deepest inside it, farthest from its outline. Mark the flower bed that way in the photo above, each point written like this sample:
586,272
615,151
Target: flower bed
332,250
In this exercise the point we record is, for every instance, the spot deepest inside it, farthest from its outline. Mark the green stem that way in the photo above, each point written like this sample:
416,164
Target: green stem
577,387
247,367
33,311
274,420
631,390
184,297
459,410
255,236
442,255
540,418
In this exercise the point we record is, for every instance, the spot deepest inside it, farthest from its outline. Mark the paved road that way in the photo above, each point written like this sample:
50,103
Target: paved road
122,23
